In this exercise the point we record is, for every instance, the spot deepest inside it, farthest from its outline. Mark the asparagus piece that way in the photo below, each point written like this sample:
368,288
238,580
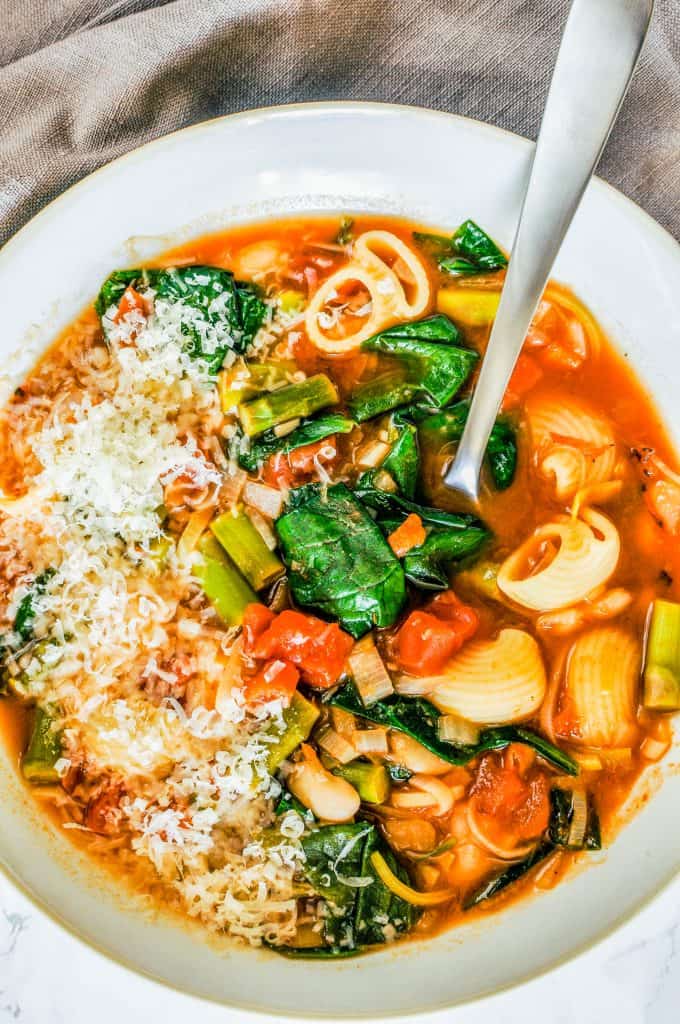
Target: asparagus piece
222,583
299,718
662,663
245,546
289,403
44,750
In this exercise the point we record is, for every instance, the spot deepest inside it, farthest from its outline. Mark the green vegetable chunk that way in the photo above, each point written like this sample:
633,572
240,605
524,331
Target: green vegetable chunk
339,562
218,313
245,546
345,231
380,394
309,432
510,875
371,781
563,804
434,363
38,764
417,718
222,583
403,461
289,403
662,661
468,251
447,426
298,718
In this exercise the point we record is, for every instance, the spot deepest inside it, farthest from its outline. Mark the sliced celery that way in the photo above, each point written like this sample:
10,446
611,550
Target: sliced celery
222,583
245,546
662,662
473,307
371,781
289,403
44,750
299,718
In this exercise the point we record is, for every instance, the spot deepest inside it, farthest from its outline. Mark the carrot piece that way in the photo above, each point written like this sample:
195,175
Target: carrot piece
410,534
256,619
276,681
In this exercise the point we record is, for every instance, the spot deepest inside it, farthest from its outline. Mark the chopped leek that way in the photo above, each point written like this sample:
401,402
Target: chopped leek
473,307
245,546
222,583
371,781
452,729
371,678
39,763
299,718
288,403
662,663
339,748
574,822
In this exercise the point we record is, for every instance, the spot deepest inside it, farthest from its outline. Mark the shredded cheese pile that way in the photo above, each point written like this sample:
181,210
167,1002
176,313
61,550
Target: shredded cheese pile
196,790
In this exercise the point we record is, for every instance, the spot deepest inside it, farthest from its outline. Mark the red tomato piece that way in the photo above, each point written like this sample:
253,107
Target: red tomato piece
319,649
276,681
256,619
431,636
288,468
514,797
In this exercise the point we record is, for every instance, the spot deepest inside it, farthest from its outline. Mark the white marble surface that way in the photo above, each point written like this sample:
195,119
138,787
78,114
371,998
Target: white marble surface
47,977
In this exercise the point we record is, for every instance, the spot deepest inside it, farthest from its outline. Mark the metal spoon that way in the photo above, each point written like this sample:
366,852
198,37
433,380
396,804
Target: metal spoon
598,53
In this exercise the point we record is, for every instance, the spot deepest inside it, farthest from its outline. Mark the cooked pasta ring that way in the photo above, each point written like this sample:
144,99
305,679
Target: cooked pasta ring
388,296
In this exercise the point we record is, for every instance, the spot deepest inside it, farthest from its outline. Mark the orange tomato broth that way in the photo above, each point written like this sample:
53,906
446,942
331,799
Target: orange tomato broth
650,559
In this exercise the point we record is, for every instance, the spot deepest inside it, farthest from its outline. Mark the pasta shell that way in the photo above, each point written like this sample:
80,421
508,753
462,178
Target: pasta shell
574,445
601,685
587,555
493,681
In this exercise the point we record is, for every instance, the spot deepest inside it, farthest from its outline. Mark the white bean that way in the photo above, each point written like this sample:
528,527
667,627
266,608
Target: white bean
414,756
328,797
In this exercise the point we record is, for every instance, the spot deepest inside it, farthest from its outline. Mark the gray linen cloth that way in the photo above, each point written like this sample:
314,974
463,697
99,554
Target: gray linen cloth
82,81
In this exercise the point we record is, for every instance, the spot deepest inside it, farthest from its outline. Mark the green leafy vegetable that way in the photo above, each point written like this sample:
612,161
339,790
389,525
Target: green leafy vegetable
333,853
26,612
377,906
563,811
221,312
434,363
403,461
314,952
309,431
338,559
447,425
418,718
39,762
344,235
510,875
380,394
468,251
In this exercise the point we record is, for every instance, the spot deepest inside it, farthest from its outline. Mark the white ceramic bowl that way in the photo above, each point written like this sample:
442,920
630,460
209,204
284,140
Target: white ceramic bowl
342,157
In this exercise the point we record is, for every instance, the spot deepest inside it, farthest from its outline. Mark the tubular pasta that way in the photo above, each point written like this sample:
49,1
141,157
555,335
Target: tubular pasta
600,688
493,681
389,301
587,555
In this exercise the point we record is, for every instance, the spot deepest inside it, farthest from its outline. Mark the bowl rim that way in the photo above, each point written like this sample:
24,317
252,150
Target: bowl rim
52,209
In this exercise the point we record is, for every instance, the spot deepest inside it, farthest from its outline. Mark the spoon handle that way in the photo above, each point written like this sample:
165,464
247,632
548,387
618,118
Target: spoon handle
599,50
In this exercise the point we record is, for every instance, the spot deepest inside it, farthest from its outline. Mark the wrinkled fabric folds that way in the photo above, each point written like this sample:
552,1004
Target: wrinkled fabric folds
83,81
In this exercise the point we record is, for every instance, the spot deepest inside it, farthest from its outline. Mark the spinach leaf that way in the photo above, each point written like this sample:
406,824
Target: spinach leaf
468,251
396,507
333,853
446,426
434,363
338,559
510,875
377,907
561,816
308,432
380,394
314,952
221,312
417,718
425,566
26,612
474,245
403,461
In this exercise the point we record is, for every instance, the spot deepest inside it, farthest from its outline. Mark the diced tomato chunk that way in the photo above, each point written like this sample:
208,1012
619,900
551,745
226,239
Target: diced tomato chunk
512,795
276,681
256,618
319,649
431,636
131,301
525,376
409,534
